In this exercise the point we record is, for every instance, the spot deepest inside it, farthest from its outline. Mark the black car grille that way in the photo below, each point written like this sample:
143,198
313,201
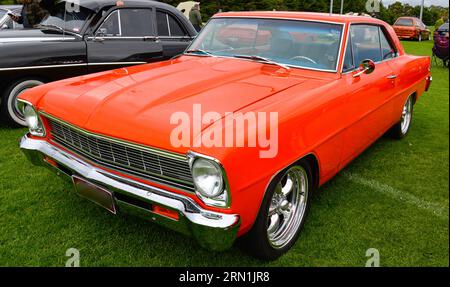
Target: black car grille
155,165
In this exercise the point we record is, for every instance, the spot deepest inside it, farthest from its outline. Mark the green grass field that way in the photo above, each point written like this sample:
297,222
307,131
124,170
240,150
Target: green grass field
394,198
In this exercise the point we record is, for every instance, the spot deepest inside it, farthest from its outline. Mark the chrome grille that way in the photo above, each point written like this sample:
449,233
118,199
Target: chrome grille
162,167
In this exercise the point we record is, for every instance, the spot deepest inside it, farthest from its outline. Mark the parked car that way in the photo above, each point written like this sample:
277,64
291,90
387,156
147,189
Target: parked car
96,37
411,28
5,20
334,94
441,44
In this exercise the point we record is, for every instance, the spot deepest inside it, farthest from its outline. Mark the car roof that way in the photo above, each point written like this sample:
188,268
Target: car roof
310,16
98,4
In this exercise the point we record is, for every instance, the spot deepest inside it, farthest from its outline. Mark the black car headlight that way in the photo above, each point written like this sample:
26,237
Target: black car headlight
32,119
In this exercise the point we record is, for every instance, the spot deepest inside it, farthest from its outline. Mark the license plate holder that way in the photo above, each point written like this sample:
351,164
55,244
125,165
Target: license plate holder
94,193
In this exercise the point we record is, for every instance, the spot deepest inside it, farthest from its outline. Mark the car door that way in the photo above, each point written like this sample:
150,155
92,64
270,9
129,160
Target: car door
369,100
125,37
172,33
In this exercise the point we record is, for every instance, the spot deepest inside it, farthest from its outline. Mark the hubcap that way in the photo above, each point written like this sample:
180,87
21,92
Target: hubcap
406,116
287,207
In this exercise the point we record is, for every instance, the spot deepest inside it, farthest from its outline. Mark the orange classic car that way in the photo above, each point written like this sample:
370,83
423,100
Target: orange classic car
175,141
411,28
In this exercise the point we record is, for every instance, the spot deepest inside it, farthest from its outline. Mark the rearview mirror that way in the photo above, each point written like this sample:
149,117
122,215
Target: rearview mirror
366,67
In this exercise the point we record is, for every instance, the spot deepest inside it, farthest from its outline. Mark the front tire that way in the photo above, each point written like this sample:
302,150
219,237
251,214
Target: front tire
282,213
401,129
9,111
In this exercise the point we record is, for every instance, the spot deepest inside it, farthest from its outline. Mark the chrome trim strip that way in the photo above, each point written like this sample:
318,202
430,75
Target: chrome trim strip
115,63
35,39
71,65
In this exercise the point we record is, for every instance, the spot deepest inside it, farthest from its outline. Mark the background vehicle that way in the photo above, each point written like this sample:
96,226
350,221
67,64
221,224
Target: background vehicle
5,20
411,28
334,95
98,37
441,44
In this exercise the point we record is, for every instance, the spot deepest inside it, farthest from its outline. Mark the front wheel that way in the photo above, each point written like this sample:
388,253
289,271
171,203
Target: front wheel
282,213
401,129
9,112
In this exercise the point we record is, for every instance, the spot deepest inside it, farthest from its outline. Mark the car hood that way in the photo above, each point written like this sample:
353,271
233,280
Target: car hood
144,103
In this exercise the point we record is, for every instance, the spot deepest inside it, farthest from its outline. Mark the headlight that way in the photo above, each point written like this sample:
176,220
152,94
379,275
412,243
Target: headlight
33,121
208,178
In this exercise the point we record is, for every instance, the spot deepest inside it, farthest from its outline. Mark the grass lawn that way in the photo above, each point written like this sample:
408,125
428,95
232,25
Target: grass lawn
394,198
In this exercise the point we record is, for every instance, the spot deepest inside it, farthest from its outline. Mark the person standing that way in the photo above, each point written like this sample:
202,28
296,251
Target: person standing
196,17
31,15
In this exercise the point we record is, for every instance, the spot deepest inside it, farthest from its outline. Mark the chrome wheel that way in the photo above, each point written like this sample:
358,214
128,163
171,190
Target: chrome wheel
406,116
287,207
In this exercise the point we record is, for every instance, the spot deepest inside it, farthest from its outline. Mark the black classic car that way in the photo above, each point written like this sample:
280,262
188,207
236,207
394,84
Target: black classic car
5,20
74,40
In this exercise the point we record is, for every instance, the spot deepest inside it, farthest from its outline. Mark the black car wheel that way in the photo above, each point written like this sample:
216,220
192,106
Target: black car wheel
10,113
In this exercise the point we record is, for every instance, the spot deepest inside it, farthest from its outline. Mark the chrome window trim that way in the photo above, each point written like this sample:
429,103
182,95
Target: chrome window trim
339,58
119,20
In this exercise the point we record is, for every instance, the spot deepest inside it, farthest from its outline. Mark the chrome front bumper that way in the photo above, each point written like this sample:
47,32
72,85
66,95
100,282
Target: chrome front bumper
213,230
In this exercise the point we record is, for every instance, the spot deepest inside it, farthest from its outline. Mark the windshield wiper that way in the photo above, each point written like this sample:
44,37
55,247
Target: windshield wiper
200,51
261,59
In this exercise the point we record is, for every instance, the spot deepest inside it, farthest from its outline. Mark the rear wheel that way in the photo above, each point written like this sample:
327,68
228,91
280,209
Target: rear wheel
401,129
9,112
282,213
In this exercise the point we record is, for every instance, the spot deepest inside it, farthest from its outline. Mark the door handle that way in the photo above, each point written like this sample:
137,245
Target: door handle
392,77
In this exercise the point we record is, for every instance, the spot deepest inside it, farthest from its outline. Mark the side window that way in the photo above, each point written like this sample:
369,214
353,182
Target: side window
168,26
365,43
127,23
175,28
388,52
110,26
163,27
348,58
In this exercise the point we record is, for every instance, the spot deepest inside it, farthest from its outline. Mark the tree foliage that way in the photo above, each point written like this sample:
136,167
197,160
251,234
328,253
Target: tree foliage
388,14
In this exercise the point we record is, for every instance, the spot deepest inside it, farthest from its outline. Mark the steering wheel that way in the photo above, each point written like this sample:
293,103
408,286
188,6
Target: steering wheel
303,58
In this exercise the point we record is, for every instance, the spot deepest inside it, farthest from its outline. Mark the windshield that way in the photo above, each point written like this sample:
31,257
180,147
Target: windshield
301,44
67,17
404,22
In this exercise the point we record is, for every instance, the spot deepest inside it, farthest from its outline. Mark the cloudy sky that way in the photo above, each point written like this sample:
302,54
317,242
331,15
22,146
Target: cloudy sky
443,3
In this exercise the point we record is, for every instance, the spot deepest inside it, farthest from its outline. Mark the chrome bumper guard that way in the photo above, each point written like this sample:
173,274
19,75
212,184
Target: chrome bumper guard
213,230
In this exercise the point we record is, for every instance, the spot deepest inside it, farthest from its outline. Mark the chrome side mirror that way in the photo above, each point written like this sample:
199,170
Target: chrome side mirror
366,67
